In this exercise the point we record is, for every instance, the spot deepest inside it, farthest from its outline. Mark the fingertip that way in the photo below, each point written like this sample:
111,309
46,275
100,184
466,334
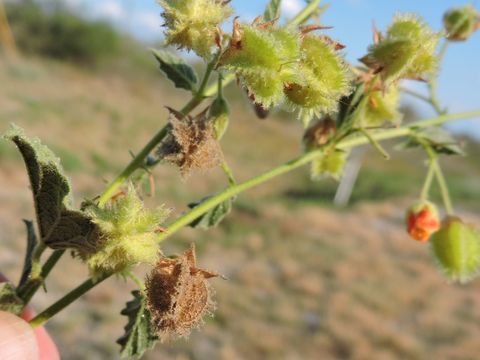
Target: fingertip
17,339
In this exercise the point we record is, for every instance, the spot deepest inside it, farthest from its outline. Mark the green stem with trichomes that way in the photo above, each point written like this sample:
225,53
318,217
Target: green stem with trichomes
304,14
138,161
442,183
66,300
231,191
428,181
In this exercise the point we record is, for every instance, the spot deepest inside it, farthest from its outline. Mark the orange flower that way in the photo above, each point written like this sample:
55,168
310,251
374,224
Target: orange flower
422,221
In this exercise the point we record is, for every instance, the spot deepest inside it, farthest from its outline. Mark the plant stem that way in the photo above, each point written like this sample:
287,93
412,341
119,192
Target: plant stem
305,14
442,184
138,160
375,144
136,280
432,82
228,171
33,284
231,191
447,202
45,315
37,254
428,181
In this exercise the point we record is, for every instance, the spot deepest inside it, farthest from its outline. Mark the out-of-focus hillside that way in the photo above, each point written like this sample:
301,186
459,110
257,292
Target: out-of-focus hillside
305,280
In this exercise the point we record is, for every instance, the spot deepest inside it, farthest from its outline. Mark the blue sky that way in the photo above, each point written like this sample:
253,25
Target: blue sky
459,80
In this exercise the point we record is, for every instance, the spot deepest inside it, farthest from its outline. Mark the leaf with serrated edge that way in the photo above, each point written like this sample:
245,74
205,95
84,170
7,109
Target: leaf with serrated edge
272,11
139,335
214,216
9,301
60,227
181,74
440,140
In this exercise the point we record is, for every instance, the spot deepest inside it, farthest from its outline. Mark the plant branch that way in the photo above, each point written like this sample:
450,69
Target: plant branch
139,159
304,14
428,181
56,307
231,191
34,283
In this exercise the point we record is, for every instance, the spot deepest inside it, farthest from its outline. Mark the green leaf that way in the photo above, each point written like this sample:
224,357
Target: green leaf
181,74
139,334
272,11
214,216
440,140
31,243
59,226
9,301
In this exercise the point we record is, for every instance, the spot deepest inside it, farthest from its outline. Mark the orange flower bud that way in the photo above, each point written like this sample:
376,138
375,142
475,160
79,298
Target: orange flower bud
422,221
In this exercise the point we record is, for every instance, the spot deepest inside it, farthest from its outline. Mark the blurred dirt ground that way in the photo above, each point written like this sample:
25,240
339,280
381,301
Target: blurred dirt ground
305,281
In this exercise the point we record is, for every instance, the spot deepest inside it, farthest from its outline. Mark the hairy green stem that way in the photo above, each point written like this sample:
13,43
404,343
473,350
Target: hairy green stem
33,284
442,183
428,181
304,14
375,144
228,172
136,280
231,191
139,159
56,307
228,193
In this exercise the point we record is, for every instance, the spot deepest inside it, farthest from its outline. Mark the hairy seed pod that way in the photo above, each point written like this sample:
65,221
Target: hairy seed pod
127,233
178,295
461,22
193,24
407,50
422,220
456,247
191,143
322,79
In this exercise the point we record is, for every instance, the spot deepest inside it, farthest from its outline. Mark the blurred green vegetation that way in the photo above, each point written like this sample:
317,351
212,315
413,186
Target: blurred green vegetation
59,34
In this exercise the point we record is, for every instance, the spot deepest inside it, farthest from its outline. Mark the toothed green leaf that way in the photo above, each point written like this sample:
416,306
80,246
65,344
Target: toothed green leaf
59,226
181,74
214,216
139,335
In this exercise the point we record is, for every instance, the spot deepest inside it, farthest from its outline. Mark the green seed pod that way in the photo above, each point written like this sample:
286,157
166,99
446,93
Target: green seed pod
323,78
219,114
193,24
264,58
330,164
406,51
456,247
379,107
127,234
461,22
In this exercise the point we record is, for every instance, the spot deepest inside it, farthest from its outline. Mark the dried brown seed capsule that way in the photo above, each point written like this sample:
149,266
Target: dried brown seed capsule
179,295
191,143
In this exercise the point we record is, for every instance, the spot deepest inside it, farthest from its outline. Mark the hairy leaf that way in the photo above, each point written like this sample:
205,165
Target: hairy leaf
440,140
181,74
9,301
139,335
214,216
272,11
31,243
59,226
